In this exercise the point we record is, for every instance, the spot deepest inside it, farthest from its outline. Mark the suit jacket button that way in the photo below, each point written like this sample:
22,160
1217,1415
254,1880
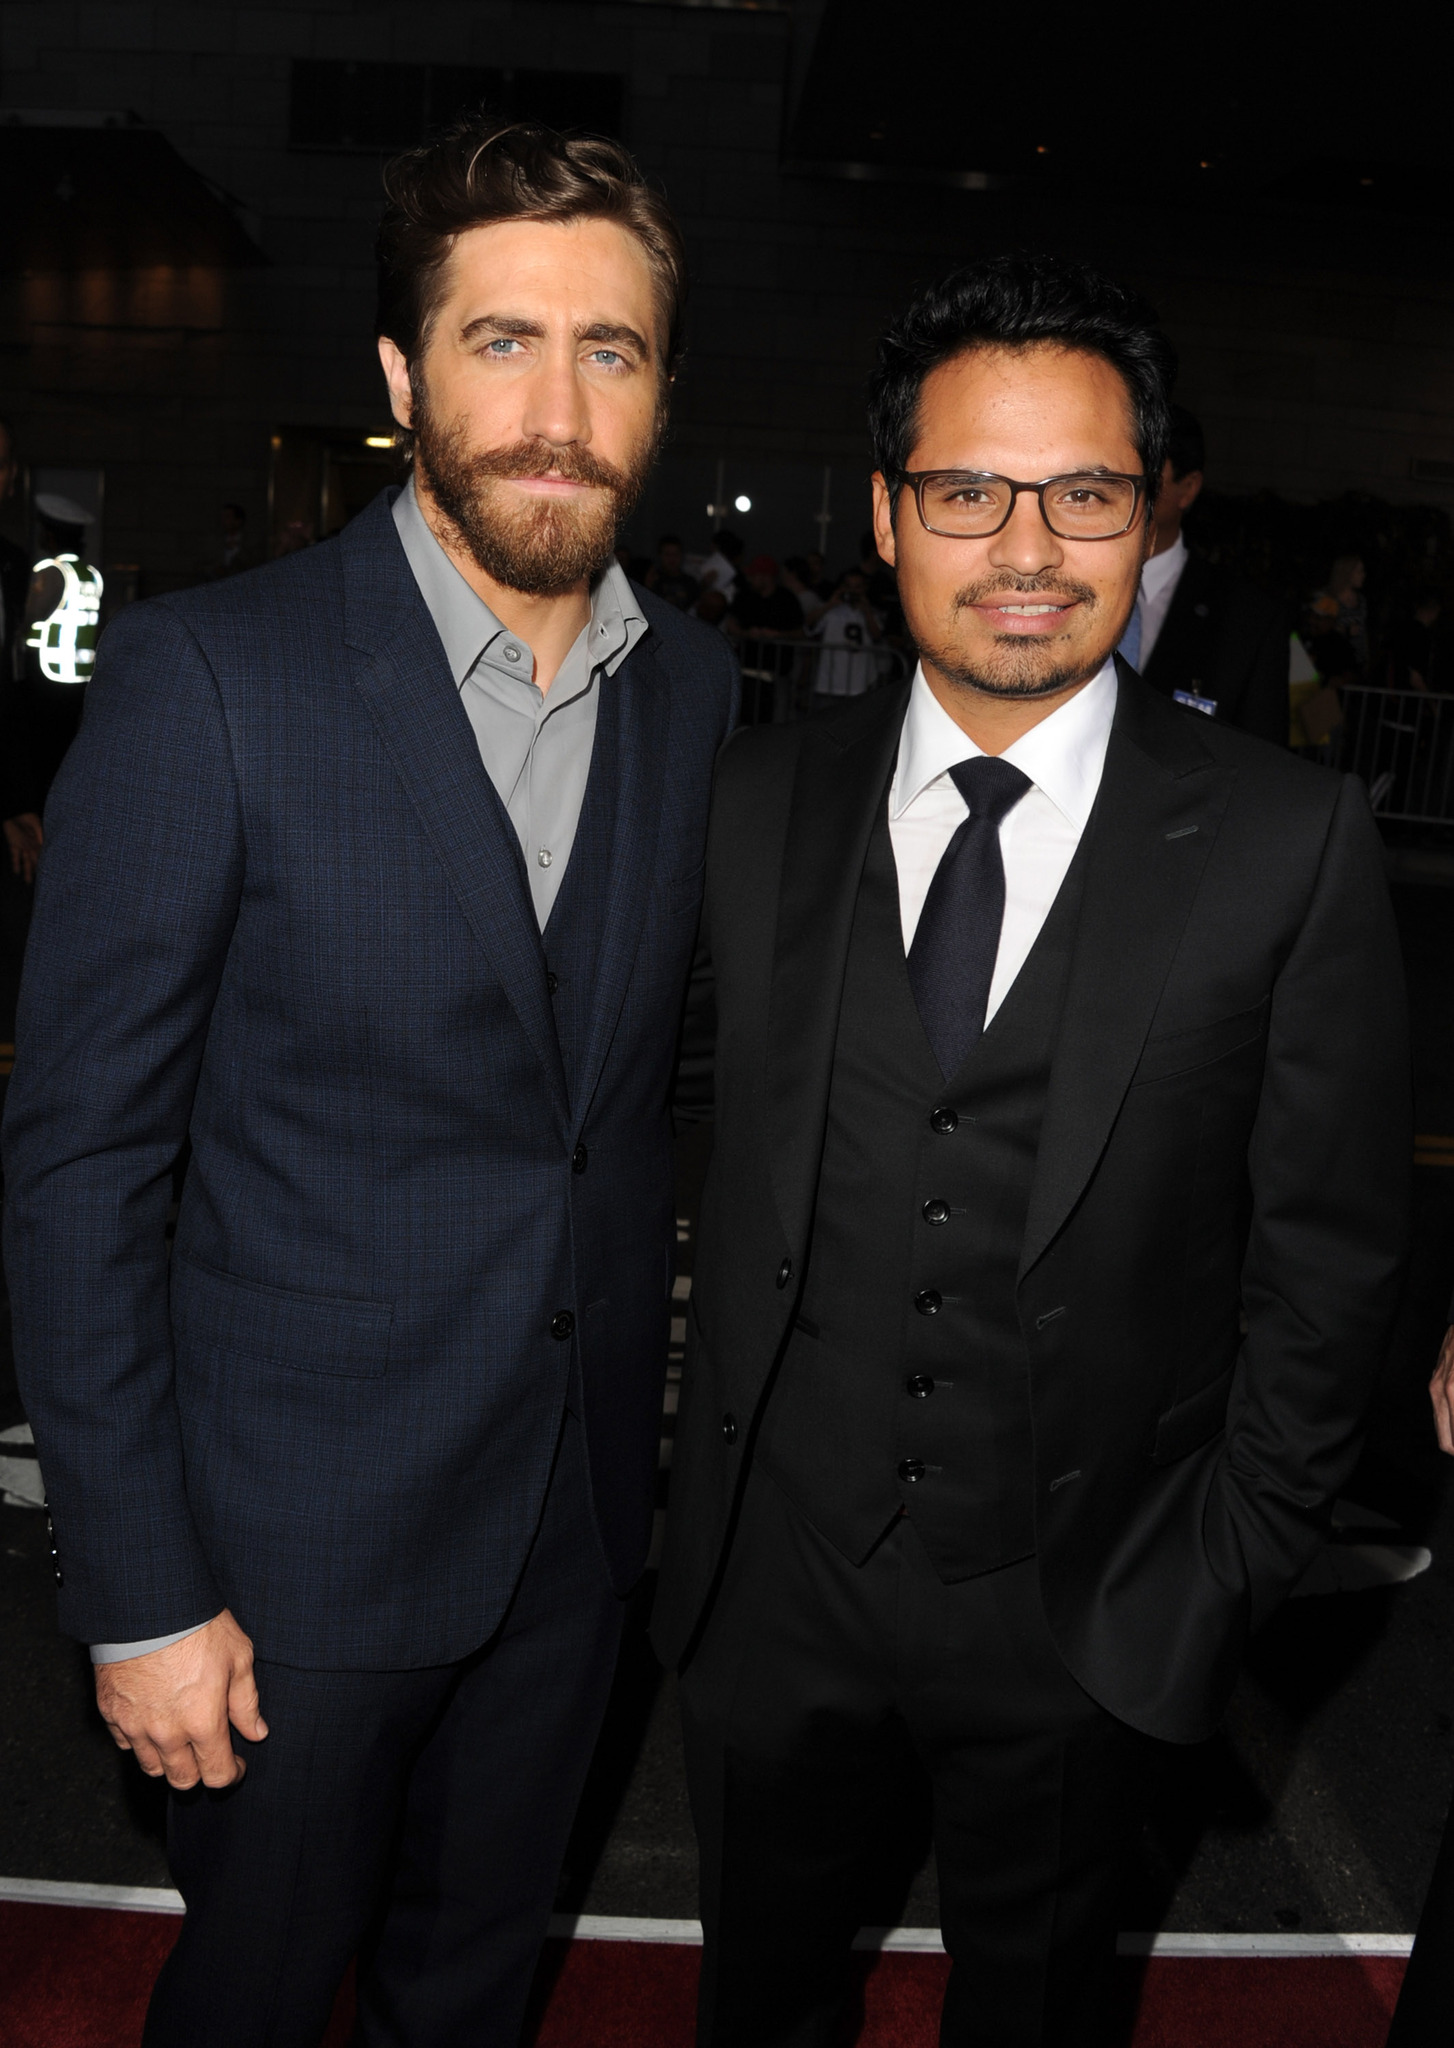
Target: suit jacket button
928,1301
936,1211
729,1429
578,1159
551,984
944,1119
784,1272
911,1470
562,1324
920,1386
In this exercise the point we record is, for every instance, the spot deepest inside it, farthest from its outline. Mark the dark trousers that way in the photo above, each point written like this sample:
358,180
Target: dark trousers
811,1676
416,1818
1424,2017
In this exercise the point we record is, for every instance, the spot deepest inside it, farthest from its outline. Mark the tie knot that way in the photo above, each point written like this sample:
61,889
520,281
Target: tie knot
991,787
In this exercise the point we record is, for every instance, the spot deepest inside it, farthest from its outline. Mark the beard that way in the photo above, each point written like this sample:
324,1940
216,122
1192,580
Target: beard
1019,667
542,550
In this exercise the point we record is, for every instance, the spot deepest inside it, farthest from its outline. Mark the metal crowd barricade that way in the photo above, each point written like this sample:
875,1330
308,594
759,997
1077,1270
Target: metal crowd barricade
1401,742
779,676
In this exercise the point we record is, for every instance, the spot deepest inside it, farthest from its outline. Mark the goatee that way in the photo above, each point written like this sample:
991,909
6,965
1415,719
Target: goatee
1021,666
540,549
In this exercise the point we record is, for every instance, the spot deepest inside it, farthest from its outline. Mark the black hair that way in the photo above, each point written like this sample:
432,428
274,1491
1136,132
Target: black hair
1015,302
669,540
240,510
1186,447
727,543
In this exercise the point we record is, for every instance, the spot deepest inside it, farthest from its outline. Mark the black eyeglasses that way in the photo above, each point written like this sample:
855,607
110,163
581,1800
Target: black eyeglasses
971,504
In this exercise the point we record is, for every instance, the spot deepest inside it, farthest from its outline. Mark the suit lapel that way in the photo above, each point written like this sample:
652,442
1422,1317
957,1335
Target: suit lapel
842,775
1183,632
1161,801
405,680
642,714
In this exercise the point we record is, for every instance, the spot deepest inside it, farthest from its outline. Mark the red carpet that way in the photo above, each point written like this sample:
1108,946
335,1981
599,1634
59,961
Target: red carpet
78,1977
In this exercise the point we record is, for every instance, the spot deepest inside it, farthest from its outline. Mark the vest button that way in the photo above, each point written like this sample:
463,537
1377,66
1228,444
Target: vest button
911,1470
578,1159
562,1324
729,1429
936,1211
919,1385
784,1272
929,1301
944,1119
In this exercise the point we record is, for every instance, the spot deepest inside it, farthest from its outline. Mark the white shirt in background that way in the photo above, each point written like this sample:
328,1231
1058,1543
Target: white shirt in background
1063,755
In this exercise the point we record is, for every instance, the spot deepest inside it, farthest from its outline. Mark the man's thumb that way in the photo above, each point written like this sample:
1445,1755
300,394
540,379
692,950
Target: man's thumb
243,1708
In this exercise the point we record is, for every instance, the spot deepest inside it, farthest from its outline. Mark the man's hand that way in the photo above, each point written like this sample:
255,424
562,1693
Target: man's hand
24,837
173,1706
1441,1393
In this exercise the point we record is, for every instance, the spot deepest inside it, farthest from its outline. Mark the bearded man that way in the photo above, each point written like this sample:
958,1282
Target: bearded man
1054,1217
421,815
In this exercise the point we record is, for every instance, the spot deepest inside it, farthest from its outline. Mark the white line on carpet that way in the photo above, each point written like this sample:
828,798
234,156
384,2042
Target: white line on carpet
136,1898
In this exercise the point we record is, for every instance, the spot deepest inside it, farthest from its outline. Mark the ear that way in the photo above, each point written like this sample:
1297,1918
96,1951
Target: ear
883,519
396,376
1189,488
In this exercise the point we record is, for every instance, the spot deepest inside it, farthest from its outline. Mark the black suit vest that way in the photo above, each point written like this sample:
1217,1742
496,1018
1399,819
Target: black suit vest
904,1386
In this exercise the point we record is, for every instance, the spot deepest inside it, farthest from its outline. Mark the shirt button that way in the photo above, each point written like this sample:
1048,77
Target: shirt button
943,1119
784,1272
911,1470
545,856
562,1324
729,1429
929,1301
512,654
578,1159
920,1386
936,1211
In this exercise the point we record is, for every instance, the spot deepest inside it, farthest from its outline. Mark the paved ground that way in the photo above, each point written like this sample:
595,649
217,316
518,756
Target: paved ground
1318,1806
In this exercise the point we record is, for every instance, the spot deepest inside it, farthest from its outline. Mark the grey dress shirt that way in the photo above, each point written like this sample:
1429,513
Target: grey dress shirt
536,747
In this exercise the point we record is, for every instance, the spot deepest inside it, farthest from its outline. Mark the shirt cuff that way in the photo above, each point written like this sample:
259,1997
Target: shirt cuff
117,1653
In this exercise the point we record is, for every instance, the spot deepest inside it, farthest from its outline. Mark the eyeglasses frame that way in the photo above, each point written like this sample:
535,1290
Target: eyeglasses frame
917,478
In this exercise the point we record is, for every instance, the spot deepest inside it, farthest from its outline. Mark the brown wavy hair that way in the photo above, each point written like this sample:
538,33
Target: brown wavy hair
482,171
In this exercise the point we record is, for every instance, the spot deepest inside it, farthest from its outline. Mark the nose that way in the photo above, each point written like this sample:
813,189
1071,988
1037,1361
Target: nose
555,401
1025,543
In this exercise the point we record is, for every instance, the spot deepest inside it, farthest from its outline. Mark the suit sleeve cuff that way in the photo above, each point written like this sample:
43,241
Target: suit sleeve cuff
117,1653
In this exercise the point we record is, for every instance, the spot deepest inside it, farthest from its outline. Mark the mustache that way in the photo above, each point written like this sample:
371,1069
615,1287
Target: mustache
538,458
1009,585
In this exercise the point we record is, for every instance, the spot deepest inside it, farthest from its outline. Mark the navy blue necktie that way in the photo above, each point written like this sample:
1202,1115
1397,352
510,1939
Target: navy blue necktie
952,959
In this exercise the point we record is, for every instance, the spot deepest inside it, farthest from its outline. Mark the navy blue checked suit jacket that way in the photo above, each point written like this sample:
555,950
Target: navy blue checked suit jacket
282,910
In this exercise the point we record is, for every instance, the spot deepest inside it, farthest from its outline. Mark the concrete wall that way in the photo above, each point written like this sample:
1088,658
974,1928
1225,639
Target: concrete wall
1322,360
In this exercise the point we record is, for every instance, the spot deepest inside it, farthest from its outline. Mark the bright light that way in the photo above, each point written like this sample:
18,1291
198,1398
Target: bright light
743,503
378,440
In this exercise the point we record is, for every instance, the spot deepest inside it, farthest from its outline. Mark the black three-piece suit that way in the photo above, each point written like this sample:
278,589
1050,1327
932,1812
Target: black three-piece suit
1013,1396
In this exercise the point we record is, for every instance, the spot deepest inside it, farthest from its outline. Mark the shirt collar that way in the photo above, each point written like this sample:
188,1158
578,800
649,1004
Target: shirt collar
1063,755
1158,572
469,629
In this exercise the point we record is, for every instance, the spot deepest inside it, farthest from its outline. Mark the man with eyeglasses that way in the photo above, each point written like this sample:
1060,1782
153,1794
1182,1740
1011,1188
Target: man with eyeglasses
1054,1218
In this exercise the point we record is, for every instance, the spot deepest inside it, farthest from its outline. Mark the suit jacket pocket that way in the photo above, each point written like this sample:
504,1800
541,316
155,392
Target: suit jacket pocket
1177,1052
1193,1422
341,1334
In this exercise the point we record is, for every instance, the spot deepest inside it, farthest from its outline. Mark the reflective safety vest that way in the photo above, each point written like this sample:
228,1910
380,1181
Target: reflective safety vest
66,640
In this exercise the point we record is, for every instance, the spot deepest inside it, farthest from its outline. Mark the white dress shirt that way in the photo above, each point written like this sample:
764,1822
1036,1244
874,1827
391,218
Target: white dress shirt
1063,756
1159,578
